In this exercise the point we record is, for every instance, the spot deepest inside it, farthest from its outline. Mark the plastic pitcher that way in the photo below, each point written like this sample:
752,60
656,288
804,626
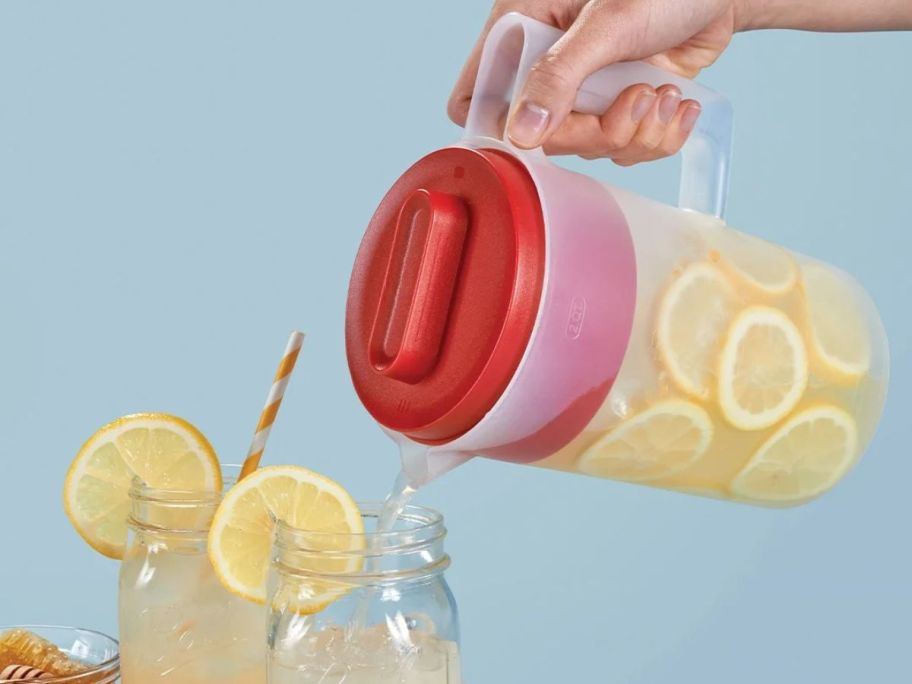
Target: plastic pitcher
505,307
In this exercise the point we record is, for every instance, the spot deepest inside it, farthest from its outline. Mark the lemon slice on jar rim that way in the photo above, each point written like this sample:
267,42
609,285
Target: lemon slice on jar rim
163,451
242,532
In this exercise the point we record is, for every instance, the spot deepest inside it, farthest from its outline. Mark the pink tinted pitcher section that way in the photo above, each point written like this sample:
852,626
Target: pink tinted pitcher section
583,326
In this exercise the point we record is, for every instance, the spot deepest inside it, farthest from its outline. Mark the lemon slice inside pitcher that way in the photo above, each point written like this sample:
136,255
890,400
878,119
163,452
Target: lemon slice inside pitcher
763,371
838,329
763,266
804,458
693,316
661,441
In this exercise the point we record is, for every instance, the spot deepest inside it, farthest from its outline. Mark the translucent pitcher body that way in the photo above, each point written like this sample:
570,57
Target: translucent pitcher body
751,372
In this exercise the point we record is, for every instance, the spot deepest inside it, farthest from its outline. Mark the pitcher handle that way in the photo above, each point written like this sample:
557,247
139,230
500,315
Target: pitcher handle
516,42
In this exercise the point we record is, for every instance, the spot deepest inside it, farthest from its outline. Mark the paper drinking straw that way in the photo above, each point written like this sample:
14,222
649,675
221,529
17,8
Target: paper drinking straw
12,673
273,401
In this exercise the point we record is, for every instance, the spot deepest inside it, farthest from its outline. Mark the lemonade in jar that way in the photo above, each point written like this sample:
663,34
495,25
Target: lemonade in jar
144,490
177,622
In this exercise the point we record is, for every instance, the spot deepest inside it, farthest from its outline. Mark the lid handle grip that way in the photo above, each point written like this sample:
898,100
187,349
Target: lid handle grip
516,42
418,288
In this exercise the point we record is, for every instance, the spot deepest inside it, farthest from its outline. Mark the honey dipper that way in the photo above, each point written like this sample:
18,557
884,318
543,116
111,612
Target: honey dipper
21,672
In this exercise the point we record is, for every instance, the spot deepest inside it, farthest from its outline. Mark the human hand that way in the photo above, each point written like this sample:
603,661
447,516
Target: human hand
643,124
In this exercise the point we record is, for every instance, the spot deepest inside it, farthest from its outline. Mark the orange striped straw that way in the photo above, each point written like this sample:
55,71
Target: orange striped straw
273,401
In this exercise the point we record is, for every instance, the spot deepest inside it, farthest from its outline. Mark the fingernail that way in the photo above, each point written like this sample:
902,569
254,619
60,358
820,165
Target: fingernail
528,124
689,118
668,105
642,105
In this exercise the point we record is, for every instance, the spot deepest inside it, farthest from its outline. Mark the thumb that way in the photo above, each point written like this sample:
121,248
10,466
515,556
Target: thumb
548,95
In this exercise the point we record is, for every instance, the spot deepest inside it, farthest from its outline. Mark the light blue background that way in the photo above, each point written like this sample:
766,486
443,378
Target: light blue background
181,183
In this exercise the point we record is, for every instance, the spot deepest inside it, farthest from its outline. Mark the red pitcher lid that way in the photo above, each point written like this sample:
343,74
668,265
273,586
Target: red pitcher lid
445,292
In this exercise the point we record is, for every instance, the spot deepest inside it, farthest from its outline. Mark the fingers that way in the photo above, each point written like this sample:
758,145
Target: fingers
651,131
546,100
549,91
593,136
641,125
609,31
663,131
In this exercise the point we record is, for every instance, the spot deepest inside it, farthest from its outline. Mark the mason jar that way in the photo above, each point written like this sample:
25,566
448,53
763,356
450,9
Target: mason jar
376,610
178,624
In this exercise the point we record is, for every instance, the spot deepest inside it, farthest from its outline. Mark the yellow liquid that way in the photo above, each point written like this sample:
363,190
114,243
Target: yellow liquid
178,625
644,380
